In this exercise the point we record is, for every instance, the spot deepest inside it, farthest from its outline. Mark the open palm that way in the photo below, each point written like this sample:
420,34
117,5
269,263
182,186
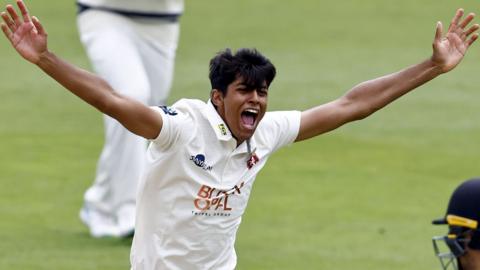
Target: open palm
27,36
449,50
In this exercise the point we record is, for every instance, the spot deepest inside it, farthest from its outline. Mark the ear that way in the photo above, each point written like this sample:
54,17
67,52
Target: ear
217,97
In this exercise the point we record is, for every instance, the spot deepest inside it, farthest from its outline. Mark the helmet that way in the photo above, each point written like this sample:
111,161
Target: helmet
463,218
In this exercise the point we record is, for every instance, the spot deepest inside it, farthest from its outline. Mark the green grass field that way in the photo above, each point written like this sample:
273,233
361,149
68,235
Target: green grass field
361,197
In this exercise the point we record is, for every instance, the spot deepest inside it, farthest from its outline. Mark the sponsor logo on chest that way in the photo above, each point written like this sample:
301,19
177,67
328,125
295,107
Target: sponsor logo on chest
199,160
214,202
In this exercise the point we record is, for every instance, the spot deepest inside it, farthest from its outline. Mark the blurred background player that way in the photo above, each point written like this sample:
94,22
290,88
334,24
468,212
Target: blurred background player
460,248
132,45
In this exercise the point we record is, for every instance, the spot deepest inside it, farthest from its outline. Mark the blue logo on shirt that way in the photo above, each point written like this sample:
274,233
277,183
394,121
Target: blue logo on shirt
168,110
199,160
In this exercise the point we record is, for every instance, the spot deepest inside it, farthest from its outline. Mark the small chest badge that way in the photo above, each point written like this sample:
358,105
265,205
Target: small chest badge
168,110
223,129
253,158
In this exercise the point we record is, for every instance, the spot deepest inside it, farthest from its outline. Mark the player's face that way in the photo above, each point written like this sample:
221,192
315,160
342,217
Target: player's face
241,108
471,259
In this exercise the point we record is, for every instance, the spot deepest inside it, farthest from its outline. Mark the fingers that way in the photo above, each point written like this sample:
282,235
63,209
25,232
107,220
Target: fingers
8,22
467,20
13,21
438,32
472,39
14,15
472,29
464,34
457,27
456,19
23,10
7,33
38,26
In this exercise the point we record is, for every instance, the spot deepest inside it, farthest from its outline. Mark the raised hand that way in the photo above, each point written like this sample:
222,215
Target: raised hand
26,34
450,49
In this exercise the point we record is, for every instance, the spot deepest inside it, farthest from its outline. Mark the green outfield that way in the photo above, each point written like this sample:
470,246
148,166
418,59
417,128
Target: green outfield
361,197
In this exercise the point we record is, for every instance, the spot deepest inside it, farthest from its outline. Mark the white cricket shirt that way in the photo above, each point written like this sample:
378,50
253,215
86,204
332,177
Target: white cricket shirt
147,6
196,187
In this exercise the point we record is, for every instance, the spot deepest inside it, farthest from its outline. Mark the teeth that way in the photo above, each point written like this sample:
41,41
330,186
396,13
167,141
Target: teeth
252,111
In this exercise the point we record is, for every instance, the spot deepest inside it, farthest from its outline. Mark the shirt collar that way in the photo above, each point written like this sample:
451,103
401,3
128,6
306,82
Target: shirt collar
221,129
217,123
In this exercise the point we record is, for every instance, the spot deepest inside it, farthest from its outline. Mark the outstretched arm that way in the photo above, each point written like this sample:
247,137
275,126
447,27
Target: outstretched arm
370,96
29,39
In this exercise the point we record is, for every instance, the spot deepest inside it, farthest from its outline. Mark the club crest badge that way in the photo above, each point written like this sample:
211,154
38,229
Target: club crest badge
252,160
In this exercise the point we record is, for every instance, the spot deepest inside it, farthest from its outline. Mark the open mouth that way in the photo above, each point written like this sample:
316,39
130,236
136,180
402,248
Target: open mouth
249,116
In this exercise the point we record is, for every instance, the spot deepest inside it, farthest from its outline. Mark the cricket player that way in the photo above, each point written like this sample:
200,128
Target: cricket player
132,46
203,157
460,248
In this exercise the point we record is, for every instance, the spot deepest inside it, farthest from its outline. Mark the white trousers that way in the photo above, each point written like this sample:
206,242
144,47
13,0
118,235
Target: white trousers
136,57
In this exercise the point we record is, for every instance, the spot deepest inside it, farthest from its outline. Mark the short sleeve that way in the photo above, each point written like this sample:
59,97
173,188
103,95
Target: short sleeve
280,128
173,129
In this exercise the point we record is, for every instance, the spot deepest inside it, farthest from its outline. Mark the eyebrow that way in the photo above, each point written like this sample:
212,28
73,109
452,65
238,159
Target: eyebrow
252,87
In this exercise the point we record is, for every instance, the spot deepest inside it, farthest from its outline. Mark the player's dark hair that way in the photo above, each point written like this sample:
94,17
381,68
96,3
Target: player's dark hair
248,64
